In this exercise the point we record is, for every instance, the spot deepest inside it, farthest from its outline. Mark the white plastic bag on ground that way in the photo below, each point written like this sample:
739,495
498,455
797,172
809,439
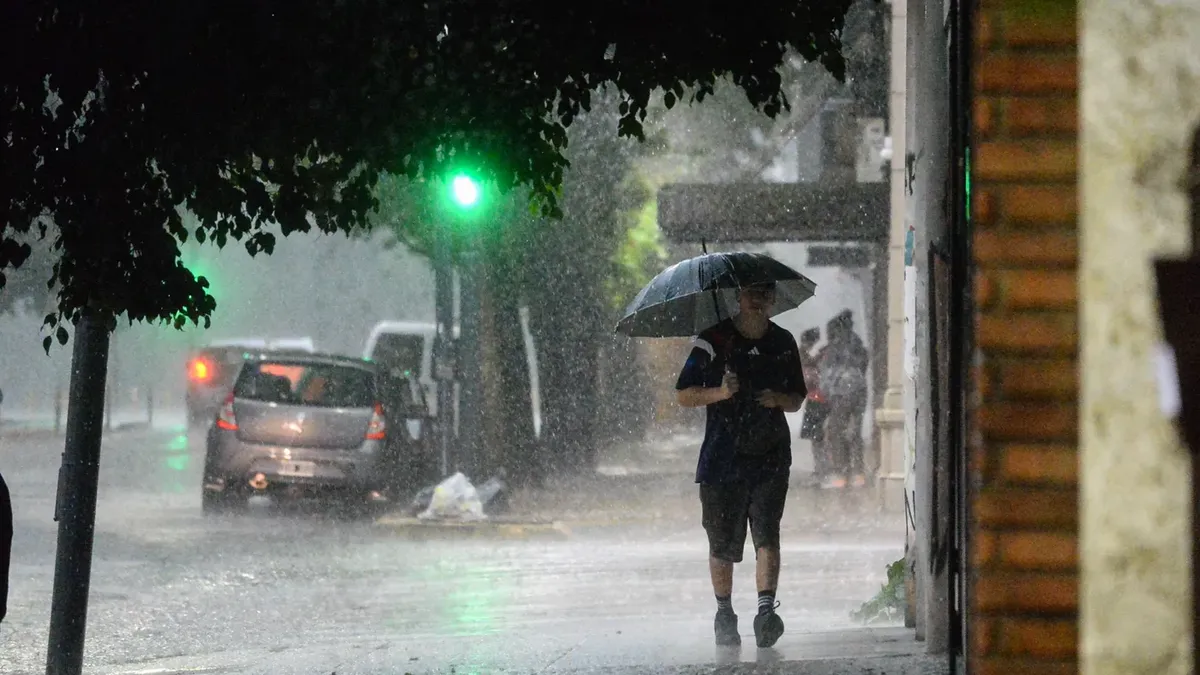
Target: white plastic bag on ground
454,499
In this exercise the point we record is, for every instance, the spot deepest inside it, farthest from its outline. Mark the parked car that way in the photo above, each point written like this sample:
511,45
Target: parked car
211,371
334,428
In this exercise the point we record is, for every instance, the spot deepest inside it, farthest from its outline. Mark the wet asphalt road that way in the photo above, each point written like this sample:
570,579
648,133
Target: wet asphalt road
173,591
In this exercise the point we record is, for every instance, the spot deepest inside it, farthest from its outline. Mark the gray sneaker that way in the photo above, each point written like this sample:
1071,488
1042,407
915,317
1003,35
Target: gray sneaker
768,628
725,626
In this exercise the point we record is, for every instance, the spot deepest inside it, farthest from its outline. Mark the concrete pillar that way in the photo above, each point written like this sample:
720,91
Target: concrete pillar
1139,98
890,416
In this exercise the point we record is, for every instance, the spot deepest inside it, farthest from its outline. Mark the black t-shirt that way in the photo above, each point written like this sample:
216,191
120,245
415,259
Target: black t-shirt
742,439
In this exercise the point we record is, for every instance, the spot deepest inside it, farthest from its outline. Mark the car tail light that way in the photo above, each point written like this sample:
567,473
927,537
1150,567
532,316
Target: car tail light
226,418
377,429
200,370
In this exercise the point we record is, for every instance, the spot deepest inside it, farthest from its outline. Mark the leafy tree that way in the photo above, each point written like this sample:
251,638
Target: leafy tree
118,117
574,273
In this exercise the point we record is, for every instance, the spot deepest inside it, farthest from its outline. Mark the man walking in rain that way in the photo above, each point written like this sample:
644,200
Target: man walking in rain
843,366
747,373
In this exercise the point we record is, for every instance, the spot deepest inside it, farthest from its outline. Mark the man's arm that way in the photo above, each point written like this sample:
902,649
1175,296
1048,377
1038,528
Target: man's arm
788,401
695,389
698,397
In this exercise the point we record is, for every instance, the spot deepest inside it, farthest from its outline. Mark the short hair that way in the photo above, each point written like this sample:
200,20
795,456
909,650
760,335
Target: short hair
844,318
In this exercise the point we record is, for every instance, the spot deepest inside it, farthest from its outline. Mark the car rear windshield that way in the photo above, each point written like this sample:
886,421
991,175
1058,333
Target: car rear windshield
312,384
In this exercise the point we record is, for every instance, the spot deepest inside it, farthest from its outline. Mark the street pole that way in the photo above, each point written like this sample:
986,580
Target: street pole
443,346
470,373
75,508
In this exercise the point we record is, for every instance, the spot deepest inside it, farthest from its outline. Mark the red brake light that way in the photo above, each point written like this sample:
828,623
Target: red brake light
200,370
225,418
377,429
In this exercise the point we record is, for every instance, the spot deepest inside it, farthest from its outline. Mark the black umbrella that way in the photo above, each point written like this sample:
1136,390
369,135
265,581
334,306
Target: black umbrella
700,292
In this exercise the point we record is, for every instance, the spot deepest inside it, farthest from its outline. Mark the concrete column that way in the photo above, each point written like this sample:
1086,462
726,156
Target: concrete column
1139,97
890,416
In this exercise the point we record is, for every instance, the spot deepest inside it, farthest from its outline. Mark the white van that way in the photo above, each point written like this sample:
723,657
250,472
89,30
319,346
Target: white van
407,346
299,344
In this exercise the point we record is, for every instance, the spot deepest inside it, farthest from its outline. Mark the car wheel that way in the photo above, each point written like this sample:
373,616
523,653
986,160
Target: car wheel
213,502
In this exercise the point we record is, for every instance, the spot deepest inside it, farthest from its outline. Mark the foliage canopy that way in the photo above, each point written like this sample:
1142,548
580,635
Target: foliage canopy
116,118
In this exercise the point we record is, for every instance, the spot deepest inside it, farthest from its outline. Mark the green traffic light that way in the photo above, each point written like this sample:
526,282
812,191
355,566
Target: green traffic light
465,190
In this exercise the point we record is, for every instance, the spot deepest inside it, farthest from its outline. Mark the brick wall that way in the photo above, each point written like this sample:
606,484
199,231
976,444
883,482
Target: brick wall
1024,558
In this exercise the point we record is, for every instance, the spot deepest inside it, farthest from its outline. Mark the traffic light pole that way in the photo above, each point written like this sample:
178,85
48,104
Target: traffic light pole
443,346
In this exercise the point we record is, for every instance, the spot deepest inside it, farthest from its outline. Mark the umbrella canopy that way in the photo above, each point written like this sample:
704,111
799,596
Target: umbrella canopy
700,292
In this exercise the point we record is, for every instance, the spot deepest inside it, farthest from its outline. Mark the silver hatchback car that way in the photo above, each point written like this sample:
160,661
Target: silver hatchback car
313,426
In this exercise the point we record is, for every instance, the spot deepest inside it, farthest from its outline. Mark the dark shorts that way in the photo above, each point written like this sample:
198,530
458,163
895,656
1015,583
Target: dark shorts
728,507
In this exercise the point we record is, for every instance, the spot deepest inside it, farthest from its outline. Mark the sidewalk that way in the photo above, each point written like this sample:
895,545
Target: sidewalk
650,484
887,651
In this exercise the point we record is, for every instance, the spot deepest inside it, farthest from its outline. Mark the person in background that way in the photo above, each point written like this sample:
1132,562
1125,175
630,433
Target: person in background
843,366
746,372
816,409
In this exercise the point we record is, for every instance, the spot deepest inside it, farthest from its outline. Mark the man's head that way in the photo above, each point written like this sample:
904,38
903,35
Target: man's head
810,337
757,300
841,324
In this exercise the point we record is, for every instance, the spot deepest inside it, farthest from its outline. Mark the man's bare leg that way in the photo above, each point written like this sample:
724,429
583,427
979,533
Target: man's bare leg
725,623
768,627
721,572
766,570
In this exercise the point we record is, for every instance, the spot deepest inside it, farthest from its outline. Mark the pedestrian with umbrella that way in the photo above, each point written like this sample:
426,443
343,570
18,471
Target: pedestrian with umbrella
746,371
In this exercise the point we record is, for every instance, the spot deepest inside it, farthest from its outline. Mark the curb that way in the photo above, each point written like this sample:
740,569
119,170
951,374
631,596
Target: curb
485,529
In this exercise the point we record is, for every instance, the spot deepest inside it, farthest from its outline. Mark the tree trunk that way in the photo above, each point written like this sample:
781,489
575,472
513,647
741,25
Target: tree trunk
568,365
510,442
569,322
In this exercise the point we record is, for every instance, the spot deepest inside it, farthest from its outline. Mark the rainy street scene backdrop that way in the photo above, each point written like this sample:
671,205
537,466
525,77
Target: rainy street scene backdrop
422,445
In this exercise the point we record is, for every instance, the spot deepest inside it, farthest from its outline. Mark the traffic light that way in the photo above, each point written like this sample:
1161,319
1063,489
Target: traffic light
465,191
